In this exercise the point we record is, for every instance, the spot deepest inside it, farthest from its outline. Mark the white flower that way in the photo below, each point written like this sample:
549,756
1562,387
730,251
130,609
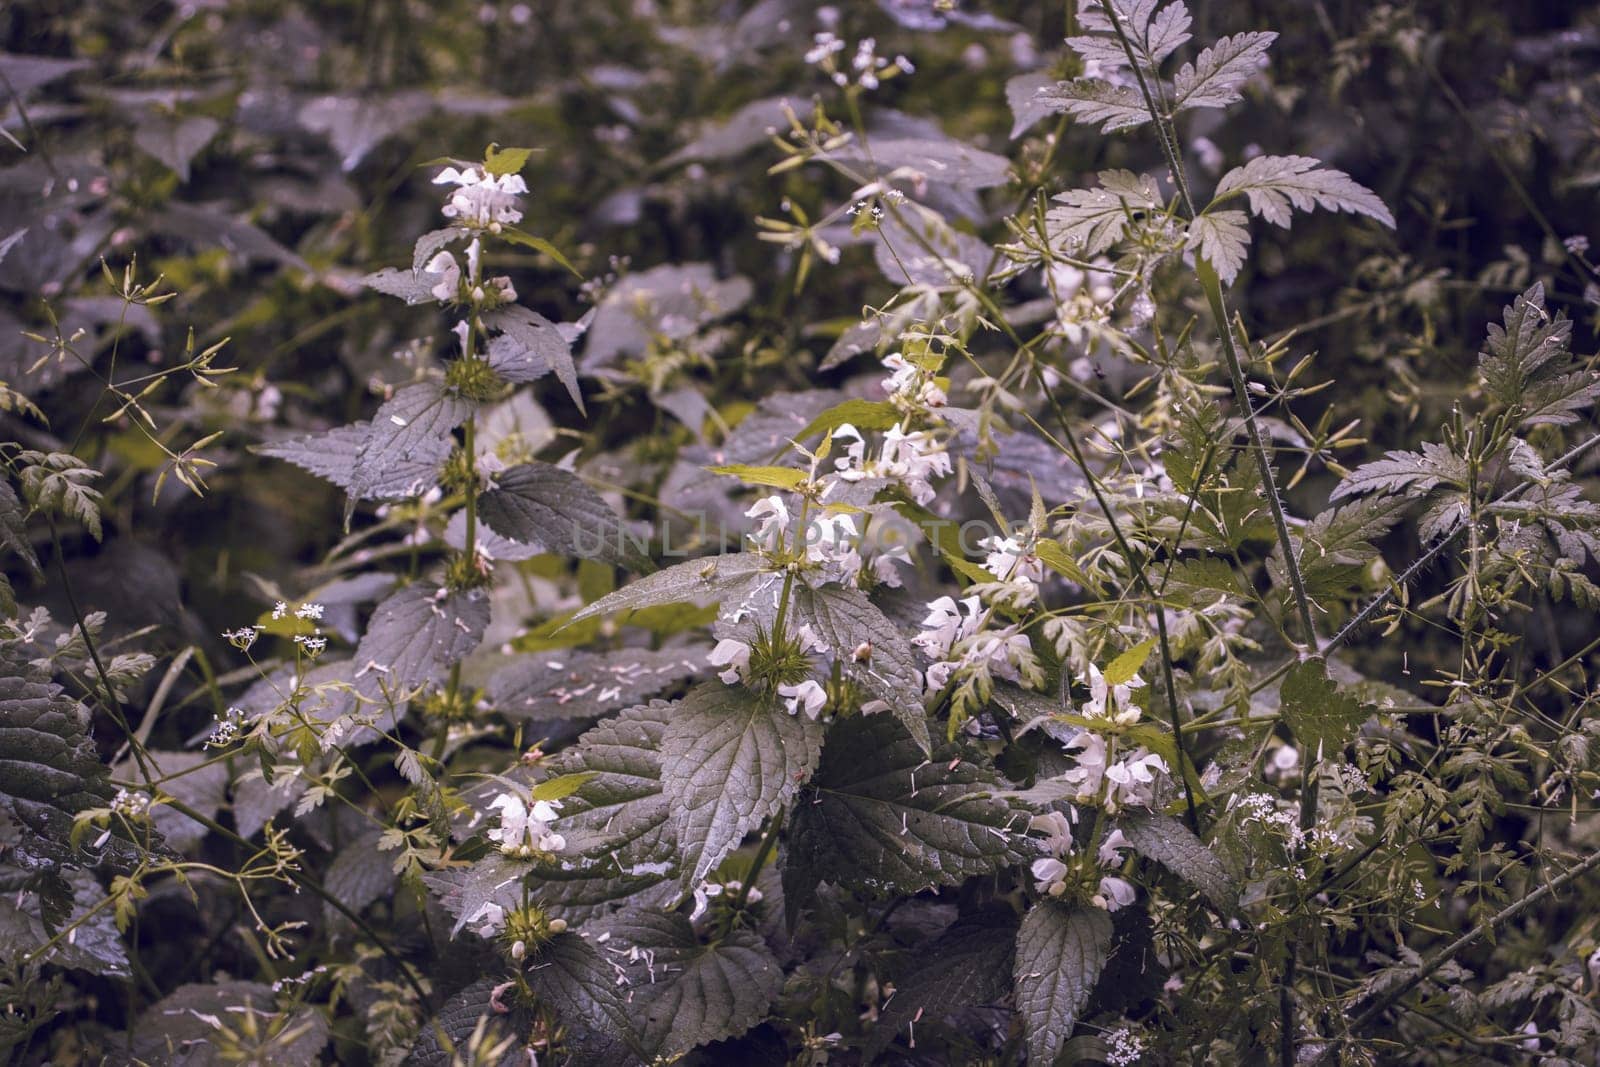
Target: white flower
732,654
1110,853
309,611
913,458
1057,828
487,920
1009,561
831,541
773,516
1049,875
1114,893
1088,773
808,696
1114,702
1133,781
825,45
444,265
481,199
883,565
944,625
522,831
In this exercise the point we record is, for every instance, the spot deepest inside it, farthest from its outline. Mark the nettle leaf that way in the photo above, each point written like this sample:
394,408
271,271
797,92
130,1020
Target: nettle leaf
544,505
1322,718
444,1037
432,243
412,427
1276,186
331,455
620,843
730,759
528,347
1216,75
503,161
49,767
1060,954
1337,543
845,620
360,874
922,159
880,817
569,977
418,633
1112,107
410,286
94,944
1173,845
1414,474
1221,238
682,993
1087,222
701,580
1122,669
967,966
176,141
574,684
464,891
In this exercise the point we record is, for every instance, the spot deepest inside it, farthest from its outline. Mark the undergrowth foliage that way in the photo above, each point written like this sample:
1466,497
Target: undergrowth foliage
989,687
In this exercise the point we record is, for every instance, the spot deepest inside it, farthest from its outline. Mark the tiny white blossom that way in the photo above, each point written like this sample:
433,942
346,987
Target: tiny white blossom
732,654
807,696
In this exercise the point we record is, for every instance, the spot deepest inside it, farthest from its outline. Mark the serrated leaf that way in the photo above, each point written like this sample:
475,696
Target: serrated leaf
331,455
528,347
407,285
941,161
774,477
1221,238
1322,718
1411,473
700,580
540,245
880,817
562,786
862,414
1022,95
967,966
444,1038
1173,845
542,504
418,633
27,925
503,161
617,825
360,874
175,141
1276,186
1120,670
1154,34
1060,954
464,891
1526,366
1094,102
574,684
569,977
730,759
682,993
181,1028
49,767
1087,222
845,619
411,428
1214,78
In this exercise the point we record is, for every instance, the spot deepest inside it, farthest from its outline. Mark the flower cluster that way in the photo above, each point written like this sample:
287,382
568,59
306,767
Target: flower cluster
455,287
1052,874
957,638
482,200
525,831
866,70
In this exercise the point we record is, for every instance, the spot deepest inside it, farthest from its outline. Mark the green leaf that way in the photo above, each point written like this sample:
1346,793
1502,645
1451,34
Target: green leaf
862,414
569,976
1120,670
94,945
683,994
411,428
880,817
444,1038
1170,843
845,620
529,346
730,759
1323,719
712,579
965,967
417,634
538,244
563,786
175,141
1060,954
181,1028
502,161
1276,186
776,477
1095,102
49,767
542,505
1087,222
495,879
576,685
1216,75
1052,555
